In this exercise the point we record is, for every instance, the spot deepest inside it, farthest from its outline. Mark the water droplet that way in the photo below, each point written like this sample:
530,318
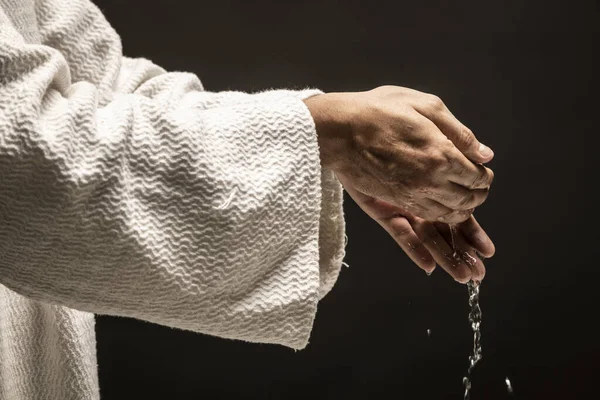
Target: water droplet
508,386
469,259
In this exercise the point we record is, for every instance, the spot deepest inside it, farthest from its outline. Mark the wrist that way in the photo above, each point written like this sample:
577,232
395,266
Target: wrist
331,113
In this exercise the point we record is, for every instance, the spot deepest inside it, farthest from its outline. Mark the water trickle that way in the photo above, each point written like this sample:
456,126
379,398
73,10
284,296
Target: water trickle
474,313
475,320
469,259
452,233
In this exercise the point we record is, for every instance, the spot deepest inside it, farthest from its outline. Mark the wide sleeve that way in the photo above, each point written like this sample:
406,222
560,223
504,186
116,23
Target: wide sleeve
201,211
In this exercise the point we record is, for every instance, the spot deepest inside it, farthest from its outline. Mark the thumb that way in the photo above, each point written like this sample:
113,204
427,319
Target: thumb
465,141
462,137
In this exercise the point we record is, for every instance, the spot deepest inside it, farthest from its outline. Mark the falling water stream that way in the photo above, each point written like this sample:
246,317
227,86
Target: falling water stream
474,316
475,320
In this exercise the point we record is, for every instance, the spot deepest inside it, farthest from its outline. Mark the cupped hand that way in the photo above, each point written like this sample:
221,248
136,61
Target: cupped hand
429,243
404,147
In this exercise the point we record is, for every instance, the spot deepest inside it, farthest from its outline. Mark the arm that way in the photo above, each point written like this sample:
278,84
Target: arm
154,205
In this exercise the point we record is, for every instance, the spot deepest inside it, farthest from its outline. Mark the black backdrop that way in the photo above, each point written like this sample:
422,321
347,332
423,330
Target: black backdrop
521,74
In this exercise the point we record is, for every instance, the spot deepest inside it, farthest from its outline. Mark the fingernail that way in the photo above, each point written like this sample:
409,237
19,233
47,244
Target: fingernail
485,151
429,272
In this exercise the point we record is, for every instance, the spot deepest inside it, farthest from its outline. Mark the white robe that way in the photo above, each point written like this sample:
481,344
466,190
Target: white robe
128,190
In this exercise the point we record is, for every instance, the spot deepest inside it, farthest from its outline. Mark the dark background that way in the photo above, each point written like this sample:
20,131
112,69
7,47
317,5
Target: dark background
522,75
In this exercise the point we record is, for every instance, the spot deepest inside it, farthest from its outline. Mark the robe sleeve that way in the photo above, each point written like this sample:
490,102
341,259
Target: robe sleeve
161,201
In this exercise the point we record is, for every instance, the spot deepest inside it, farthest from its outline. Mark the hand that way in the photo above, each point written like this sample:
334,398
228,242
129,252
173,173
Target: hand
403,147
428,243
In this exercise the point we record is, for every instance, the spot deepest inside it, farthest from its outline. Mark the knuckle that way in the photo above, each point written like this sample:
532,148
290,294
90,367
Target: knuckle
435,102
448,146
384,89
467,137
401,231
467,131
437,159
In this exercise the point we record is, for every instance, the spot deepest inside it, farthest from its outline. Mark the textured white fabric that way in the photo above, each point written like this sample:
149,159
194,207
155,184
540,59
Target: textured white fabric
129,190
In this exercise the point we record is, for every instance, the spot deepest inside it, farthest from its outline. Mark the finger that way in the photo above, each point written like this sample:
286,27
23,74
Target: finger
464,251
380,208
477,237
457,197
400,230
440,250
469,175
439,212
462,137
376,208
433,210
